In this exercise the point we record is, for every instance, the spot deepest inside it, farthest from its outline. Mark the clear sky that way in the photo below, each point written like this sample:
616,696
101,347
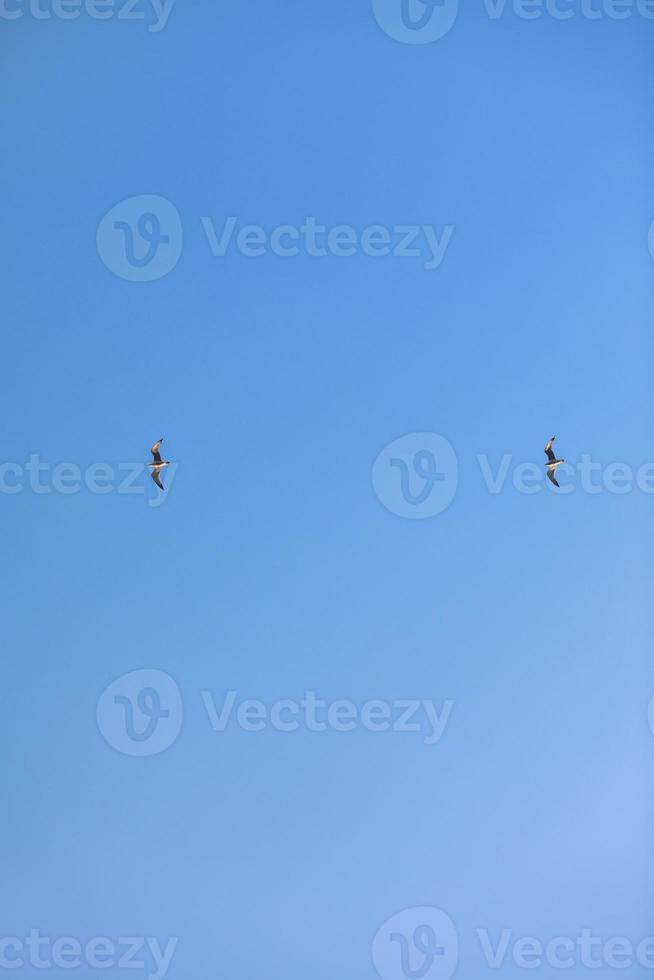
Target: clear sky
272,568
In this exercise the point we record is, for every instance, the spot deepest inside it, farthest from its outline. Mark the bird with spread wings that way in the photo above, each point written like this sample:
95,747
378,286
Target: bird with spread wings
158,464
552,462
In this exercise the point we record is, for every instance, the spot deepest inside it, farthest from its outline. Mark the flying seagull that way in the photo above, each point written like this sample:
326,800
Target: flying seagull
158,464
552,462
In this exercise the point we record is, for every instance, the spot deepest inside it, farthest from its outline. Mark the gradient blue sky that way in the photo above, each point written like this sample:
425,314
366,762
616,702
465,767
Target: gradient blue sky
272,568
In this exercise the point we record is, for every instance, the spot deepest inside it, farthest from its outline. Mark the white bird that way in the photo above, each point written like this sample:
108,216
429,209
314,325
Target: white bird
552,462
158,464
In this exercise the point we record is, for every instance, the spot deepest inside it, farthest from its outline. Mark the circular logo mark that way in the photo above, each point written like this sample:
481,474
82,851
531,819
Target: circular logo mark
417,944
140,713
416,476
416,21
141,238
650,714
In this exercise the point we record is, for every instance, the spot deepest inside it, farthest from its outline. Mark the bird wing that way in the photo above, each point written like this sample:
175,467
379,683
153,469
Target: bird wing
552,478
155,451
548,449
155,476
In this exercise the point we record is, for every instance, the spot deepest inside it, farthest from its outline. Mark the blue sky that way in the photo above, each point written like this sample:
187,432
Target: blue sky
271,568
